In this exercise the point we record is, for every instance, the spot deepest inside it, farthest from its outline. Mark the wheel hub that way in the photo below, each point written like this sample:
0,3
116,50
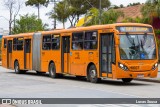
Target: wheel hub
93,73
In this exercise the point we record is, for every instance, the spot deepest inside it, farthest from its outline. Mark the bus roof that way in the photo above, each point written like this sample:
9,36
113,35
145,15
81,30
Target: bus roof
78,29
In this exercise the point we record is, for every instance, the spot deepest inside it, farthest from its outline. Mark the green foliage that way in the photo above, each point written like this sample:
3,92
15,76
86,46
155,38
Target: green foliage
60,12
95,3
111,16
37,2
73,9
133,4
157,32
91,17
76,9
151,9
28,23
107,17
133,20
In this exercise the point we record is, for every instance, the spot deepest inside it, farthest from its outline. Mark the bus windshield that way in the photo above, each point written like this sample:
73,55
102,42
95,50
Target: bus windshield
141,47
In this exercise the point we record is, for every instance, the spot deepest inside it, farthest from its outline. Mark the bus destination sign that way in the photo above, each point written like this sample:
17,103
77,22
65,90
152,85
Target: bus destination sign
134,29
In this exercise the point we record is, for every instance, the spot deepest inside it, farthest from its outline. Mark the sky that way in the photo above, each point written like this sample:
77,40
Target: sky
4,12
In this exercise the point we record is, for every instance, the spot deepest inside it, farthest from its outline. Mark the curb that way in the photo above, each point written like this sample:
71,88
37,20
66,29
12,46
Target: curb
149,80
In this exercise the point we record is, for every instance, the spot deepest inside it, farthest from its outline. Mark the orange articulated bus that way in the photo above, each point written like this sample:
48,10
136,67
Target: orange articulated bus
117,51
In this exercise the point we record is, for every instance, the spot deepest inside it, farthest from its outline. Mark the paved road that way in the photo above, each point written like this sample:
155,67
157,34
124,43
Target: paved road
31,85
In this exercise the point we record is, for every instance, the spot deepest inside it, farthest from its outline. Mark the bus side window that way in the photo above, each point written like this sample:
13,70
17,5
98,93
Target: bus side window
19,43
14,43
28,46
77,41
55,42
90,41
46,42
5,43
113,51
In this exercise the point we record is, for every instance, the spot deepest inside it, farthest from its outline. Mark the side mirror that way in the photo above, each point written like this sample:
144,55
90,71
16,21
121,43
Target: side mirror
117,40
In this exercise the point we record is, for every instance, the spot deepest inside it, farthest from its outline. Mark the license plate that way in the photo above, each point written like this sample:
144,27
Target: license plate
140,76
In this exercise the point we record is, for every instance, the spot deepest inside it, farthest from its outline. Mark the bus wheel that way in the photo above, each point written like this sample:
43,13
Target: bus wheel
92,75
127,80
16,67
52,70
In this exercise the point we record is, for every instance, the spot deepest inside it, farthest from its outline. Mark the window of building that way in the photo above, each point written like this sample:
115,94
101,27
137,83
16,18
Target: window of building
77,41
90,41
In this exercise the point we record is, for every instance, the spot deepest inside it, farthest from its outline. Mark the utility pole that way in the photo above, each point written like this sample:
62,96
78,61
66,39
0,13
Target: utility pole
100,11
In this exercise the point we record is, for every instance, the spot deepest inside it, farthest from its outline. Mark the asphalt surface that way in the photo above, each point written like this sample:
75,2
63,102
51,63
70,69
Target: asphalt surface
31,85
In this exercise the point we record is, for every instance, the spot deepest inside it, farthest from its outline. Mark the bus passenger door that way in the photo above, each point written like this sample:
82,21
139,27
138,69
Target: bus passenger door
106,52
27,54
65,53
4,53
9,54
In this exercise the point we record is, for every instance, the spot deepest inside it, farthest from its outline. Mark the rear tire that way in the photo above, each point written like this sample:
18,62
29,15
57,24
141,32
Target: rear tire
52,70
127,80
92,75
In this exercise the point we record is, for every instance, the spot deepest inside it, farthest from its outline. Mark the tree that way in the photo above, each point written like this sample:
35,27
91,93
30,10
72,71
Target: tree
133,20
77,9
121,6
74,9
37,4
60,12
28,23
151,9
133,4
14,7
95,3
108,17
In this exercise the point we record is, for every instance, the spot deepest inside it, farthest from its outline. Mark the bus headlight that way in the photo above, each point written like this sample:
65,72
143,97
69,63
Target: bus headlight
155,66
122,66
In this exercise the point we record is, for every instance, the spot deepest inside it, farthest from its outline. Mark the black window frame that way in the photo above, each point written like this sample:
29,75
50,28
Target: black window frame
51,42
5,43
57,41
45,41
78,40
28,45
90,40
18,43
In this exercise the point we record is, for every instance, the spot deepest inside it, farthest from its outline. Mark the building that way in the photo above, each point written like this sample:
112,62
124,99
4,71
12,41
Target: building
3,32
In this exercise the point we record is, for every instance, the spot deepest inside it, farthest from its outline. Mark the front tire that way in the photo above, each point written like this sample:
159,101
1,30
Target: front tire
92,74
127,80
52,71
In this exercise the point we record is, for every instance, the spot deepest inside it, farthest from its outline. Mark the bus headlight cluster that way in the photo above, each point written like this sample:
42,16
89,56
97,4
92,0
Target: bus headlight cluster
122,66
155,66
